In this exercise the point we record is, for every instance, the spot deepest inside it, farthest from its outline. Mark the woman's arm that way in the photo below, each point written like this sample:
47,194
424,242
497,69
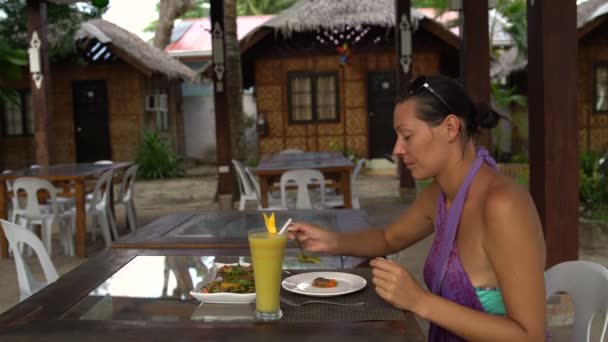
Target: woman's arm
514,244
412,226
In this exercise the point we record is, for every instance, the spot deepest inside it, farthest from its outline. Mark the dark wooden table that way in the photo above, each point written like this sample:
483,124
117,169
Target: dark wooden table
228,229
69,175
331,164
119,295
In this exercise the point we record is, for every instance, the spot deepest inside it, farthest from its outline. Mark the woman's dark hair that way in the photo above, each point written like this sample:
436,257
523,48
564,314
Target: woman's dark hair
438,96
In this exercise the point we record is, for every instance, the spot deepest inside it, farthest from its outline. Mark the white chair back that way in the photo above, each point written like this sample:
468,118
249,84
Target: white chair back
244,184
128,184
103,162
32,186
303,178
253,179
586,283
28,285
102,188
357,169
247,193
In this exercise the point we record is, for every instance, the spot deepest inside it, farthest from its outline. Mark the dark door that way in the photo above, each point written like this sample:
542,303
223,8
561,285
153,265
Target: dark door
380,104
91,121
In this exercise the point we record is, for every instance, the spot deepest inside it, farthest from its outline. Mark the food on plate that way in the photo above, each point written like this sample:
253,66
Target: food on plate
309,259
324,282
232,279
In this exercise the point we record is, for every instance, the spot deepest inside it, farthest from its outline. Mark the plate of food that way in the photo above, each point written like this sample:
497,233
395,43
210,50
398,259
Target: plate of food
227,283
324,284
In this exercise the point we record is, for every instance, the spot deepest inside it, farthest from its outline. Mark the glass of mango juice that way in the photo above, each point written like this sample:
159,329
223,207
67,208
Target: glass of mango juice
267,252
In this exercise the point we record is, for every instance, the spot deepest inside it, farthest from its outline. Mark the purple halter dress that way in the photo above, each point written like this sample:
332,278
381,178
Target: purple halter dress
443,272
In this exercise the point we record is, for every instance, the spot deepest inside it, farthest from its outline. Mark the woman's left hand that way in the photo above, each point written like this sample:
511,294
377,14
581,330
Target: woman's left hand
396,285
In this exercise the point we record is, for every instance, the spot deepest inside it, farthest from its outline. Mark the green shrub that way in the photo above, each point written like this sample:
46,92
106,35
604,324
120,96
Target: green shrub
592,183
253,160
156,159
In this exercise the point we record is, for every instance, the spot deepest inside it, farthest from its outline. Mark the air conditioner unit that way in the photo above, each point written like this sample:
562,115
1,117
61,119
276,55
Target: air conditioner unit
156,102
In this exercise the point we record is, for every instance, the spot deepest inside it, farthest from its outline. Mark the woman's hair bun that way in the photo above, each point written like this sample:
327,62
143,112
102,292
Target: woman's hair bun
485,116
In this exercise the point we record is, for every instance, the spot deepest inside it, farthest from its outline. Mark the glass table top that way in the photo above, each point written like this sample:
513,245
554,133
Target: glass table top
235,226
157,288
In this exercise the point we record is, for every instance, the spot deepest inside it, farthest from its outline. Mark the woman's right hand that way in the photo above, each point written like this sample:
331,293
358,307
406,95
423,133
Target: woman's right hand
313,238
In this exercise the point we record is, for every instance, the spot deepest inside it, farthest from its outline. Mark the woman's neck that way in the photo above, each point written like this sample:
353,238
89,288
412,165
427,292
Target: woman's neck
455,171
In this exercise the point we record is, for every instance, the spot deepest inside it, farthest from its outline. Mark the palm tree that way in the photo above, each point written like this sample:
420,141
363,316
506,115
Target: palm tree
169,10
234,80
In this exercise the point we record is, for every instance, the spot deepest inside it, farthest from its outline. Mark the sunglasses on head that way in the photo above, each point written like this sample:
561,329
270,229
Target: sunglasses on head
420,83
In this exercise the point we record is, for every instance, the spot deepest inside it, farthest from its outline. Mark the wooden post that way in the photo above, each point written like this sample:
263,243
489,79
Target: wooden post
552,96
404,50
37,29
475,55
222,118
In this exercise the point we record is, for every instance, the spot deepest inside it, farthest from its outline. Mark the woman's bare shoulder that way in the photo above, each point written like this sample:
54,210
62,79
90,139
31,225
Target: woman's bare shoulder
507,201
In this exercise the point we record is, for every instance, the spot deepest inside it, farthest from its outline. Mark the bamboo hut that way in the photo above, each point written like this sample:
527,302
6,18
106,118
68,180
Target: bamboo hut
100,107
324,73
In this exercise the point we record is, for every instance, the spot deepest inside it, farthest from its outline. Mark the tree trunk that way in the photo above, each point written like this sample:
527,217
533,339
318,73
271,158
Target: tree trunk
234,82
169,11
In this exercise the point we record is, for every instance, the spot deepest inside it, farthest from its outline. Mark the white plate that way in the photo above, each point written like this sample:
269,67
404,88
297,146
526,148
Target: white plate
221,297
302,284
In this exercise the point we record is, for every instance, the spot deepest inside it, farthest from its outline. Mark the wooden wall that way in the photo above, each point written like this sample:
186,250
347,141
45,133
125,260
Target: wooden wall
593,127
352,130
126,88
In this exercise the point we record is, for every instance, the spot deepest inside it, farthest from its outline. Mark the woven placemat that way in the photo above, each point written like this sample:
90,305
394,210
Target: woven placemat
375,308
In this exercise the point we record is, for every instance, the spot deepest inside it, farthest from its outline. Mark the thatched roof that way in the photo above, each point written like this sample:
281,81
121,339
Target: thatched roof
312,15
590,10
133,50
508,62
586,13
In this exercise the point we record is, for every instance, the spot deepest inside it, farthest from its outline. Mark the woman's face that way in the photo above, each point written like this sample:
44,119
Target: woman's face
423,148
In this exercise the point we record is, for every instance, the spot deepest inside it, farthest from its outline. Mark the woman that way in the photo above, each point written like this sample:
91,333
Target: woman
485,267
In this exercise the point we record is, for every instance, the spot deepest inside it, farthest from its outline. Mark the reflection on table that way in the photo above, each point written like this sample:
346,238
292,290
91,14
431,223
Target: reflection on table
150,287
125,294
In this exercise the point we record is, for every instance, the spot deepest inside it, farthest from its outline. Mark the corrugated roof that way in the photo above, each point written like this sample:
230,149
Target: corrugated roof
197,37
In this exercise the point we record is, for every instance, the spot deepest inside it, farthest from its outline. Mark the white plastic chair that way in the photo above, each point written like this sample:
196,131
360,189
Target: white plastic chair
291,150
35,213
303,178
125,196
28,285
98,206
245,187
273,203
587,283
332,201
103,162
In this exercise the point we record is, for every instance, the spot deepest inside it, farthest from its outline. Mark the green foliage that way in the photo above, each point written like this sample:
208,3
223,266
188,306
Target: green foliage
258,7
64,21
439,4
243,7
156,159
335,145
515,12
253,160
507,97
11,63
519,158
593,193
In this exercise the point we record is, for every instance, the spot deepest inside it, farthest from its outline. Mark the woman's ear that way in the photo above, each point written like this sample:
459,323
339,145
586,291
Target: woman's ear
453,126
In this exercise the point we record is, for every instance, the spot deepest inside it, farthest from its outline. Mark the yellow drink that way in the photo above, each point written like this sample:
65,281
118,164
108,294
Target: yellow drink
267,252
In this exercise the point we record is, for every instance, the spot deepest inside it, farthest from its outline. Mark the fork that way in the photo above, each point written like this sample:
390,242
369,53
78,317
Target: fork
292,303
